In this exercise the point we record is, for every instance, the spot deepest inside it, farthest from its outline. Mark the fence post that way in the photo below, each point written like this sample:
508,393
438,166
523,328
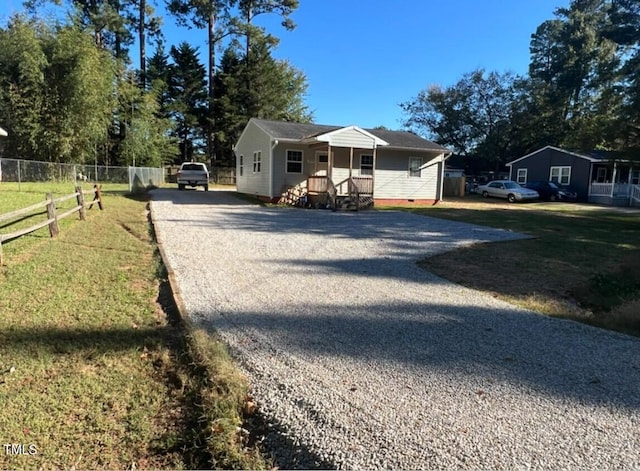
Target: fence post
54,229
80,199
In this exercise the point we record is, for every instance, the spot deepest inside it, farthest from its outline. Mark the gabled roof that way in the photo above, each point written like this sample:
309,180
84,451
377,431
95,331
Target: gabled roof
591,156
286,131
355,134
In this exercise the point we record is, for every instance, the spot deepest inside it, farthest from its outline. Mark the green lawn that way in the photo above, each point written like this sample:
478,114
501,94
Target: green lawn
582,262
93,375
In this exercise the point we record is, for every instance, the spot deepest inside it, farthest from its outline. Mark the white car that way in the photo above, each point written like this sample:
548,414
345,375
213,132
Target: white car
507,189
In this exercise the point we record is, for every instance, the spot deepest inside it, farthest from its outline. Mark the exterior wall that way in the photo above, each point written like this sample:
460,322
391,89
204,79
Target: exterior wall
281,179
392,180
538,167
253,139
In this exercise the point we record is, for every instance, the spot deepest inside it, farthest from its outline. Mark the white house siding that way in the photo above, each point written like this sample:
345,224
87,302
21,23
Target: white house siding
392,180
253,139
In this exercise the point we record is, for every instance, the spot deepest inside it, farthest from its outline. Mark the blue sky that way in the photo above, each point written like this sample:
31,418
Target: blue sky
364,57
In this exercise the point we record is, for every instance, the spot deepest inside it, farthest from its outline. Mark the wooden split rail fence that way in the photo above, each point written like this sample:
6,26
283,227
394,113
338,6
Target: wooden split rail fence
52,213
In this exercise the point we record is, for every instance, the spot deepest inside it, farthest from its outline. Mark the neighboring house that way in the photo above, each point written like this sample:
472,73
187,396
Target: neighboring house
596,176
275,159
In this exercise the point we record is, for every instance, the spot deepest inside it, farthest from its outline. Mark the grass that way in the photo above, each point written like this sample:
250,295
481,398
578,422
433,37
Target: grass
582,262
96,369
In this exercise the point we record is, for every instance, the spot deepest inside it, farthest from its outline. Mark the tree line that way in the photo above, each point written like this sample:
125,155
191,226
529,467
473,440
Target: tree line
70,93
582,92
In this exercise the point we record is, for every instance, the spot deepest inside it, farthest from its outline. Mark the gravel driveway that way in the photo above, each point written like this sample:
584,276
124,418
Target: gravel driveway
359,359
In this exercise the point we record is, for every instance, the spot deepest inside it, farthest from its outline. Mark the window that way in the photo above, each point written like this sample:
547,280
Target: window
241,165
294,161
415,164
635,177
323,158
366,165
257,161
522,176
560,175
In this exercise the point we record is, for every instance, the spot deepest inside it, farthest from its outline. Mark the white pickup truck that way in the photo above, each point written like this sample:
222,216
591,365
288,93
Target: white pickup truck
193,174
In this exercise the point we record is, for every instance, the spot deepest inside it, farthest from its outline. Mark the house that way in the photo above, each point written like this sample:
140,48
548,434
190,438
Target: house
319,164
597,177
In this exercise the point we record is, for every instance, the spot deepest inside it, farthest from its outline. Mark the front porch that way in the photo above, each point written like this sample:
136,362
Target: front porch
614,194
615,185
348,155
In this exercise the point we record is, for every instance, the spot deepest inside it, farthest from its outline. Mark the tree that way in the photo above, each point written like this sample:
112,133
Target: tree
22,78
59,92
148,141
187,94
472,116
214,15
277,92
574,71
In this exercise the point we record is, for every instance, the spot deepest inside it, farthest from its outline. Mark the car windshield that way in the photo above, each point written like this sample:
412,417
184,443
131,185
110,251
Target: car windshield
553,185
511,185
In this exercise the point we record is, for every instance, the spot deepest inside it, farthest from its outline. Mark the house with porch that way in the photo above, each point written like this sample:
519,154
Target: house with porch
329,166
597,176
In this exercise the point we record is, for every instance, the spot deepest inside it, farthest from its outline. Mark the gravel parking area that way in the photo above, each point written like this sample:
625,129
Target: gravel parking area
361,360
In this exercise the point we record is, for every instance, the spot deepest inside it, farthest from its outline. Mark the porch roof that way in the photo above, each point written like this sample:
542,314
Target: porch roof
351,136
299,132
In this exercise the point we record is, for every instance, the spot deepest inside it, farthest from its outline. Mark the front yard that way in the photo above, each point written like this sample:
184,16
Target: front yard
582,263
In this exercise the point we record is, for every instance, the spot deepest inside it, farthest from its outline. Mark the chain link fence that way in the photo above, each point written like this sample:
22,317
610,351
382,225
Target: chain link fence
138,178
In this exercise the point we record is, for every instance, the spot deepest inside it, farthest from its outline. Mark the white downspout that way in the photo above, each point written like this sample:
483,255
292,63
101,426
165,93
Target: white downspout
274,143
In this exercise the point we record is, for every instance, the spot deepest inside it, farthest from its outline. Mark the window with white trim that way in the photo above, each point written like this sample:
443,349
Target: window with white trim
635,177
366,164
415,167
294,161
257,161
241,165
521,177
560,175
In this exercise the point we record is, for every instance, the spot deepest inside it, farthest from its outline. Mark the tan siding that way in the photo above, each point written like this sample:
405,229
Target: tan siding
282,179
351,137
253,139
392,176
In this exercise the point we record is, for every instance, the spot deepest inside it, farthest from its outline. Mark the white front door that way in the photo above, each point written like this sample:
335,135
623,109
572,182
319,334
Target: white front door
322,164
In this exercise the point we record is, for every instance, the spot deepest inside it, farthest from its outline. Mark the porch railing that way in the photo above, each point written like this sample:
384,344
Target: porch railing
318,184
610,189
635,193
363,185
